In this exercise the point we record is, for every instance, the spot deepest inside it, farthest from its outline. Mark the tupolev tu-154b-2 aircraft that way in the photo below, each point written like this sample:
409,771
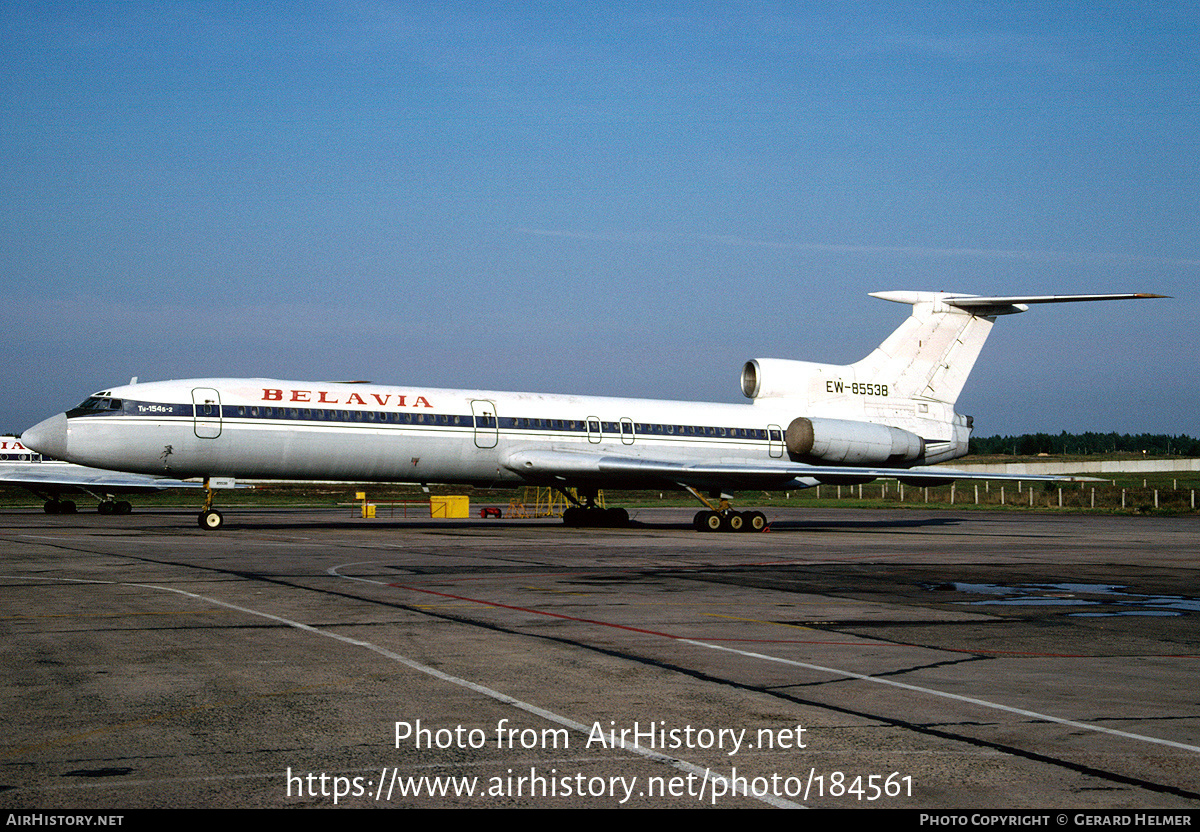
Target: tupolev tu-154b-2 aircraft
889,415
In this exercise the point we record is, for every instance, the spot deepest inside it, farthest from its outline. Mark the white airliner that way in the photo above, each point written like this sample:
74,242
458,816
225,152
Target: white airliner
54,480
889,415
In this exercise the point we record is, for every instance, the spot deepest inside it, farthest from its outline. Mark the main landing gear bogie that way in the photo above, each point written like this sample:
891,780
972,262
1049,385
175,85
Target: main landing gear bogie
115,507
728,520
595,517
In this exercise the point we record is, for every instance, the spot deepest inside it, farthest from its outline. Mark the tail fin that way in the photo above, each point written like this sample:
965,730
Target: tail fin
926,360
911,381
931,354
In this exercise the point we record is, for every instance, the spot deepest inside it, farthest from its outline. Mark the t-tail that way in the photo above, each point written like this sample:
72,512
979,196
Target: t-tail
910,382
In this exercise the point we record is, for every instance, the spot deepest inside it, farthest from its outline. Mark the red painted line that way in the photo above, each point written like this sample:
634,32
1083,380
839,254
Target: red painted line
661,567
865,643
532,611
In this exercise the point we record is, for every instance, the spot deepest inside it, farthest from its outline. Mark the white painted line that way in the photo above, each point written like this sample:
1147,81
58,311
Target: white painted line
944,694
902,685
682,765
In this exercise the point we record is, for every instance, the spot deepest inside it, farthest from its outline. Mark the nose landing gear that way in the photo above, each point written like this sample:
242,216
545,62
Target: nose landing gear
210,519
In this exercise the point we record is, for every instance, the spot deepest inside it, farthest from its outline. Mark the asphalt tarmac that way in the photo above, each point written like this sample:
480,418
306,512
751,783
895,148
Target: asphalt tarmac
846,658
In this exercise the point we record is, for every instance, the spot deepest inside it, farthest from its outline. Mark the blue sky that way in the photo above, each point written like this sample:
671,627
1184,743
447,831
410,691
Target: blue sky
617,198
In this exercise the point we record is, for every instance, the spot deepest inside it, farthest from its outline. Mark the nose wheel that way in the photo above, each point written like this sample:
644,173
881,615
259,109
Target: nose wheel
210,518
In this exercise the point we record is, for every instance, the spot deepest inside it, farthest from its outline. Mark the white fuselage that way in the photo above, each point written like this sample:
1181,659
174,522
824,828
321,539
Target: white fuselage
274,429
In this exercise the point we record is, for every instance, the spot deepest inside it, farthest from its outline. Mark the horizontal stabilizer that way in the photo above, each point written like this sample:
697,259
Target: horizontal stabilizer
999,304
930,356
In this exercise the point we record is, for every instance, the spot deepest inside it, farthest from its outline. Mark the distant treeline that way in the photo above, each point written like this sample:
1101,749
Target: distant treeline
1076,444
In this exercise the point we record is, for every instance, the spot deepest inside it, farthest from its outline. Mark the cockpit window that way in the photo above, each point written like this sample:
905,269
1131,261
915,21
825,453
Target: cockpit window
99,403
95,405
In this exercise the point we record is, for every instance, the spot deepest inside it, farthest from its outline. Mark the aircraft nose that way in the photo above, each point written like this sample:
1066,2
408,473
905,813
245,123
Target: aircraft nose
48,437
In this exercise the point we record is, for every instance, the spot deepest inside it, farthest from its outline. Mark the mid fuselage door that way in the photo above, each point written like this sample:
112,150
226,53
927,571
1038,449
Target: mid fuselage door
487,426
626,430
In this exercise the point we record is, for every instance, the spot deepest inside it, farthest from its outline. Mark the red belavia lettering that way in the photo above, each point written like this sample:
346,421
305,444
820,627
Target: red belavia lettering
889,415
275,394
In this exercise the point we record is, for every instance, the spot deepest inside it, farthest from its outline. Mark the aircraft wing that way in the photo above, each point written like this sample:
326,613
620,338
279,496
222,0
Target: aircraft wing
52,476
570,466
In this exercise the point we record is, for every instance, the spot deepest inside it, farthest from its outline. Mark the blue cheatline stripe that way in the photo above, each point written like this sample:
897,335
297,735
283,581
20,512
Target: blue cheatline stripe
315,415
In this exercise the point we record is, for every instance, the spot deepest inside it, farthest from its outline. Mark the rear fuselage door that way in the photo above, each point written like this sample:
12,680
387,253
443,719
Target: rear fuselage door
206,412
775,440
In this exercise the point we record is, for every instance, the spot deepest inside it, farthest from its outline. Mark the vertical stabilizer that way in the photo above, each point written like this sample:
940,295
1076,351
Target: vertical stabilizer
931,354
